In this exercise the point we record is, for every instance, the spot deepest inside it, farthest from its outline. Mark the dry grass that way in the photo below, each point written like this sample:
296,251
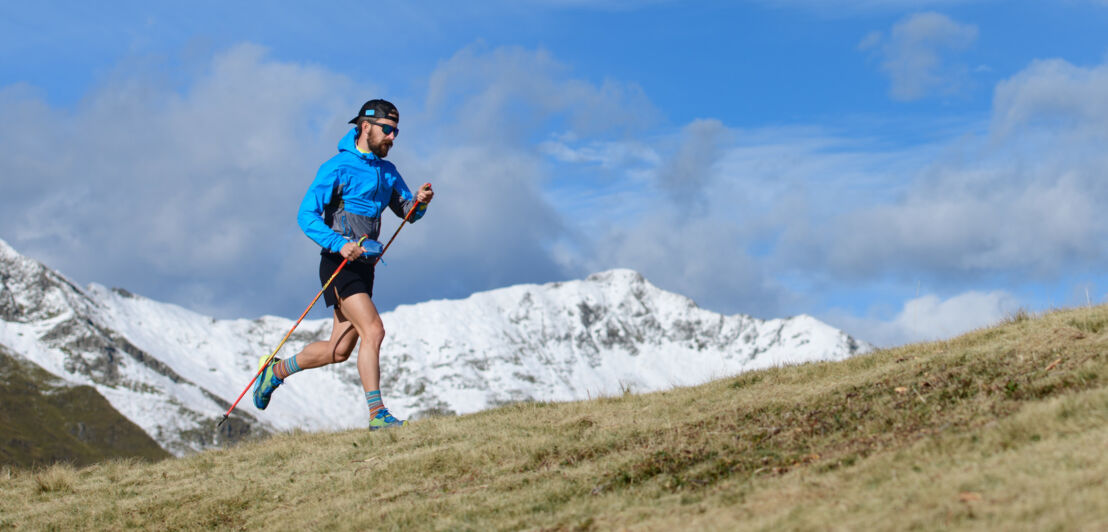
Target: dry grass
57,478
1003,428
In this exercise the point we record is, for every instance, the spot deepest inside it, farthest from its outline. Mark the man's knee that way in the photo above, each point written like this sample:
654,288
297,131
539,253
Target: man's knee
377,332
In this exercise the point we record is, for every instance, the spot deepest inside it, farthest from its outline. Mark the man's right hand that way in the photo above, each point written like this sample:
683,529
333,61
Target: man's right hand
351,251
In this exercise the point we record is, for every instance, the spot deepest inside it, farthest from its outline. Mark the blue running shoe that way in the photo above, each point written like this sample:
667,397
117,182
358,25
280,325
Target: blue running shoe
266,383
384,420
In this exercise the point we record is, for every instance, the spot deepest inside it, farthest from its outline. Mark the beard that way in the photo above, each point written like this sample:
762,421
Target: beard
380,149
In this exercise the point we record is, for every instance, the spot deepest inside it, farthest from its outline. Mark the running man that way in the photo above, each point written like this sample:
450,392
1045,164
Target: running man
345,202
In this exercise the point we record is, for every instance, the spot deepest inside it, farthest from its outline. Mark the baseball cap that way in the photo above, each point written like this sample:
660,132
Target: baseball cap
377,109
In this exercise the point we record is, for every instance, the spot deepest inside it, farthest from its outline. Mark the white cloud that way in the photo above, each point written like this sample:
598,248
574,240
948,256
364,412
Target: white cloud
1054,97
607,154
189,193
143,182
1039,228
502,95
1022,198
916,55
685,177
929,317
789,214
166,190
702,257
685,230
1015,200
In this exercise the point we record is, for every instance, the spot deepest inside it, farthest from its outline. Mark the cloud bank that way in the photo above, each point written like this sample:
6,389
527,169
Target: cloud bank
187,193
929,318
171,193
917,55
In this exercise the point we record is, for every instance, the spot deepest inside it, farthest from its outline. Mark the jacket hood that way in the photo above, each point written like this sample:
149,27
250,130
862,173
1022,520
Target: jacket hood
348,143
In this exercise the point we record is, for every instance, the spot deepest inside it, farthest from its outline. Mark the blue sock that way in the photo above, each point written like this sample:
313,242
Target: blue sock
373,399
285,368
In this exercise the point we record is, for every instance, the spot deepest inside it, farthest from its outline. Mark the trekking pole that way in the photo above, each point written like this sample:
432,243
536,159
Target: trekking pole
305,313
397,232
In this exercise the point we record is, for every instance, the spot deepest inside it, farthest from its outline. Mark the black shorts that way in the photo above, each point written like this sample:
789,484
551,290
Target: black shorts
355,278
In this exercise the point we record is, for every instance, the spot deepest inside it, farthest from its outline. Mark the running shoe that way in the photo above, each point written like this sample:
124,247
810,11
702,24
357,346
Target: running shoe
266,383
384,420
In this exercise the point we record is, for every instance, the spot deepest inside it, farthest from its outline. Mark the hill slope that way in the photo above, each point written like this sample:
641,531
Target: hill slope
44,420
1003,428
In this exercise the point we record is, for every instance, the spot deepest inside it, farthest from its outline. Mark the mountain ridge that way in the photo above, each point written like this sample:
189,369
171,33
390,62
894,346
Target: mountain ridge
173,371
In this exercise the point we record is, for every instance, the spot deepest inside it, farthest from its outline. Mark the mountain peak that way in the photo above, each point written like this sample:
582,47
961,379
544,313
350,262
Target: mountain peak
31,291
617,275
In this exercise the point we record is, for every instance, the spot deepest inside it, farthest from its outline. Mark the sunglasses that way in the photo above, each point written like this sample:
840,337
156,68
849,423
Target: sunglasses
387,129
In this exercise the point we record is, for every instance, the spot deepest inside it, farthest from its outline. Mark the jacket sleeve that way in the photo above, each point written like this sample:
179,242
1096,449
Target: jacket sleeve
310,215
402,200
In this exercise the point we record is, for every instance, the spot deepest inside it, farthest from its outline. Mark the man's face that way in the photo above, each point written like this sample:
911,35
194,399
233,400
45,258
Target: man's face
379,143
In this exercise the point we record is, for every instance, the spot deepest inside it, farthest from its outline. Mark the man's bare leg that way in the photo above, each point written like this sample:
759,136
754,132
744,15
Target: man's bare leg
362,313
355,317
336,349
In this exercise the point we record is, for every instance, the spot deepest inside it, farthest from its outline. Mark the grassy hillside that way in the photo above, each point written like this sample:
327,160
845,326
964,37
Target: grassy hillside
1004,428
43,421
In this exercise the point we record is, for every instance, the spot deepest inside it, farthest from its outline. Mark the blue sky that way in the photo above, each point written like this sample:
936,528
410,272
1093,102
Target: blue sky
905,170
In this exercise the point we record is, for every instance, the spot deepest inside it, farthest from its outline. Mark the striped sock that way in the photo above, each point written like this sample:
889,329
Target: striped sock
373,399
285,368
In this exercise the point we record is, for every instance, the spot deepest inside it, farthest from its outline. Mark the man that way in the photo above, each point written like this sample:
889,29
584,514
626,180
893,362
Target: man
345,202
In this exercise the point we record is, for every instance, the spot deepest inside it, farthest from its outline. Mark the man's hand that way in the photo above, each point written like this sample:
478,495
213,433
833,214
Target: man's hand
351,251
425,194
368,249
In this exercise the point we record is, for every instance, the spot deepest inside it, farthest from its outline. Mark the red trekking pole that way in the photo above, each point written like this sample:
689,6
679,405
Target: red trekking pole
305,313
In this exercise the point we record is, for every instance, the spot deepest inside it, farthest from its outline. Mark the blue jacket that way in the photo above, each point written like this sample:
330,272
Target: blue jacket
349,194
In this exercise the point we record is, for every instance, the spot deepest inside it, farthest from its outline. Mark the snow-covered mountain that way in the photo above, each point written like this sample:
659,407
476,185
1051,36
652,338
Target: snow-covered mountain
174,372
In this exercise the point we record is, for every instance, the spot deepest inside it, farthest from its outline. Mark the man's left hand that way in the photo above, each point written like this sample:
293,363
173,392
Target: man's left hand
425,194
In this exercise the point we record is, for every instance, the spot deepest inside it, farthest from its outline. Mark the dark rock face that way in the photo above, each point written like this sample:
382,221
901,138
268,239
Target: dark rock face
30,291
9,309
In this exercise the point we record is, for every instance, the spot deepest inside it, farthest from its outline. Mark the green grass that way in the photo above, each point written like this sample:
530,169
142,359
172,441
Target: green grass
43,421
1003,428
